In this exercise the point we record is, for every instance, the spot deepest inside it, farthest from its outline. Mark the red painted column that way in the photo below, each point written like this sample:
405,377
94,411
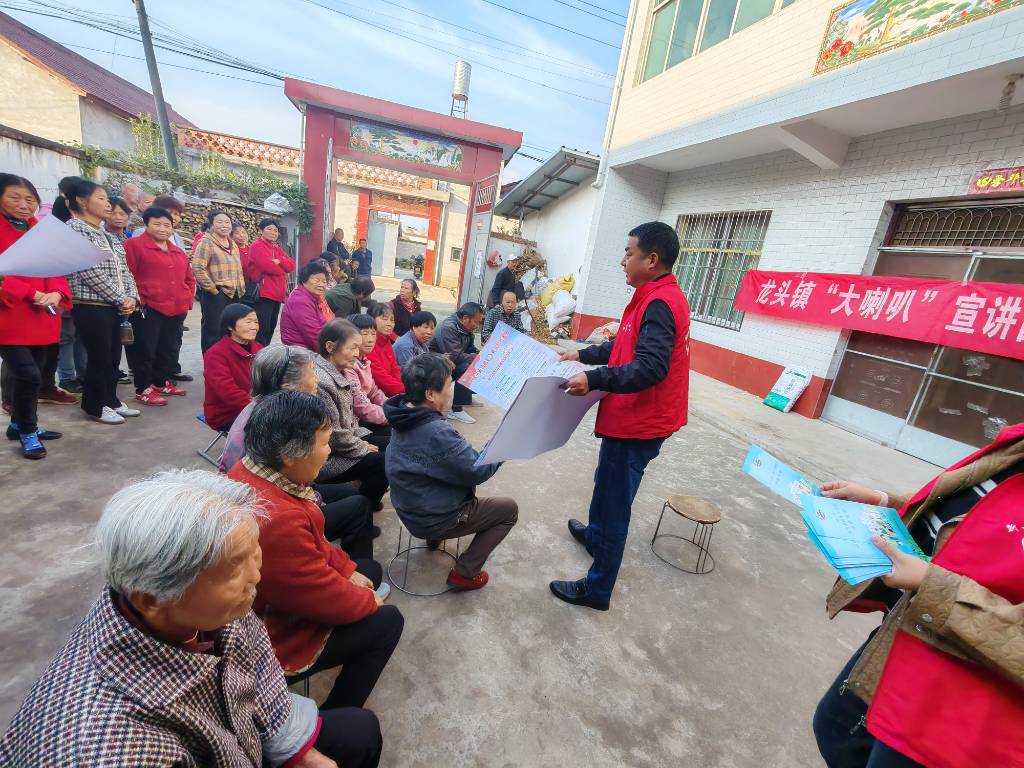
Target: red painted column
433,232
319,132
362,216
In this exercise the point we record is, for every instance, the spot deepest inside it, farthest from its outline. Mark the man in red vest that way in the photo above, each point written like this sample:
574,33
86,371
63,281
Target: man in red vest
646,373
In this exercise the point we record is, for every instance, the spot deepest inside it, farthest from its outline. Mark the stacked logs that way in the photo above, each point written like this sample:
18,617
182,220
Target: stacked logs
195,216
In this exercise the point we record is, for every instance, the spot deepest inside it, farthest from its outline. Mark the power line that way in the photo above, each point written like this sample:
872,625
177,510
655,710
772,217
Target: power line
550,24
501,40
454,53
589,13
602,8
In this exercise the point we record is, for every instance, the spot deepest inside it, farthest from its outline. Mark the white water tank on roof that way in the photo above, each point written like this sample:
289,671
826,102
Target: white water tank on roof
460,86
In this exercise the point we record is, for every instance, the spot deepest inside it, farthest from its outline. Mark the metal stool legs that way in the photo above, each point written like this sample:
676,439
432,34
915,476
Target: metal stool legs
701,539
443,549
205,453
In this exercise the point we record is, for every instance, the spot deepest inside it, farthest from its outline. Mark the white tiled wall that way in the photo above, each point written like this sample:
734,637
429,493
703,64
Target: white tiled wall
821,220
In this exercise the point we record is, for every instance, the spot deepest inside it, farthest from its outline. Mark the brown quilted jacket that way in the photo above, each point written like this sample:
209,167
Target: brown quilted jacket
949,611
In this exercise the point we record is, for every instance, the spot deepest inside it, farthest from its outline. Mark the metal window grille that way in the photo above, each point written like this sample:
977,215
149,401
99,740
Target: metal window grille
716,250
951,226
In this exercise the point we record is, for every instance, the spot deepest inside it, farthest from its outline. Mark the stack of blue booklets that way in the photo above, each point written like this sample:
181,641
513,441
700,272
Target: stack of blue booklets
841,530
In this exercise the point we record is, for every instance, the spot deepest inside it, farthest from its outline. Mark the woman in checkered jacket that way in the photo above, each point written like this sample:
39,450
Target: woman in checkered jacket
103,297
171,666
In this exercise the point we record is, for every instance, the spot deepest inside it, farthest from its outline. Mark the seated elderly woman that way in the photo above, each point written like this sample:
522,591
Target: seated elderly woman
433,475
227,366
319,606
171,666
367,398
355,453
305,311
348,515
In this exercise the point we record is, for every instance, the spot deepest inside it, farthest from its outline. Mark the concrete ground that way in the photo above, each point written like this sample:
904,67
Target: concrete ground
716,670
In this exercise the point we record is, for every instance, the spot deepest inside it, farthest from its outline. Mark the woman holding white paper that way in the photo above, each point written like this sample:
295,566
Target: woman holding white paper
104,297
941,681
29,322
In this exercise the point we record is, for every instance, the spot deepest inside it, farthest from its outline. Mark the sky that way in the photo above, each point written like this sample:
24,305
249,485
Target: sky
353,45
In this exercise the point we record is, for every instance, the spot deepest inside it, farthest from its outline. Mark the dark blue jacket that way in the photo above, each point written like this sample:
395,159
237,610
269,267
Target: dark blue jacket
430,468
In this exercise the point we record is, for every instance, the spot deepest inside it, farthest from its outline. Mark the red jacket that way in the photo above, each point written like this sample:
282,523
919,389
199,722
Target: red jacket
227,371
384,367
304,589
21,321
659,410
260,266
164,278
945,711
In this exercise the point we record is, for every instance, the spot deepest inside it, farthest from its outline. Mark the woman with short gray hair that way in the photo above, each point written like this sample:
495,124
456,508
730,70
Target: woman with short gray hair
319,606
348,515
141,679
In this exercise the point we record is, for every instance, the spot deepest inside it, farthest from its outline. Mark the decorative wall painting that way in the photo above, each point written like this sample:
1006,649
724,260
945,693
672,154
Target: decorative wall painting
406,145
863,28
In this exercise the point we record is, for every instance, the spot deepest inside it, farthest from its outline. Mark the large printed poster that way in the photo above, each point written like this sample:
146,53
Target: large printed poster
863,28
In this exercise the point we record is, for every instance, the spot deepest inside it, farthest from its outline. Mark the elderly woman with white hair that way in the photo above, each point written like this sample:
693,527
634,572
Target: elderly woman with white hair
170,666
348,515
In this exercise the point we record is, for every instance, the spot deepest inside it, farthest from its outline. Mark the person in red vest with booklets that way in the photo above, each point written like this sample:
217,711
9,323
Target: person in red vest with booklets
646,371
941,681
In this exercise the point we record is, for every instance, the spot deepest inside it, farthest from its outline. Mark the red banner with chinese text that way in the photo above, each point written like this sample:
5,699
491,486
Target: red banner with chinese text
983,317
997,181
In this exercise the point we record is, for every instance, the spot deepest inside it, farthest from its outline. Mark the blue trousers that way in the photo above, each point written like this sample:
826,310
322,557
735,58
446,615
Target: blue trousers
620,468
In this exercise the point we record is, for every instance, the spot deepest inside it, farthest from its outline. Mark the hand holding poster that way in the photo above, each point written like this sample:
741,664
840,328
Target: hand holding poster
50,249
507,360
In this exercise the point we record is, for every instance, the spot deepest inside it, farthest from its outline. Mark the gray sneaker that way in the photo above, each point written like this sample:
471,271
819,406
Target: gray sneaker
124,410
384,591
462,416
108,416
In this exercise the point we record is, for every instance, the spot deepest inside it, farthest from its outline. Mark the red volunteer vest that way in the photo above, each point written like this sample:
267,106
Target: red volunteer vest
659,410
940,710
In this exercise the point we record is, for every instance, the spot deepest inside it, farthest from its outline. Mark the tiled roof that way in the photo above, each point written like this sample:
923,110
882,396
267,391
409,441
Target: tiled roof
96,81
282,156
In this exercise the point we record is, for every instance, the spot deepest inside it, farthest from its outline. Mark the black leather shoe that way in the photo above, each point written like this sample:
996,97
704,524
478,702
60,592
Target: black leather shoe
579,532
575,593
181,377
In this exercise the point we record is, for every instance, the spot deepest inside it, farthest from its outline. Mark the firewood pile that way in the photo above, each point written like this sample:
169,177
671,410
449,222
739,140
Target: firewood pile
530,259
195,216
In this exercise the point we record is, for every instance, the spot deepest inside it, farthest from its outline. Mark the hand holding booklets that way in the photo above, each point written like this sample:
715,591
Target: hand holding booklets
841,530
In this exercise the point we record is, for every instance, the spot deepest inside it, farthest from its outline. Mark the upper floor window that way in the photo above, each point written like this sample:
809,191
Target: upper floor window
681,28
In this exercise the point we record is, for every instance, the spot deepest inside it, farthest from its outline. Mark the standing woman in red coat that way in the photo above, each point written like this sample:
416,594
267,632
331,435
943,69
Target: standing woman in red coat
267,267
29,322
227,367
383,365
166,290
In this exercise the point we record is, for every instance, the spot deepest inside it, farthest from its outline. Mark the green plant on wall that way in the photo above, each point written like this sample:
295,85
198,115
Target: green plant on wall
147,160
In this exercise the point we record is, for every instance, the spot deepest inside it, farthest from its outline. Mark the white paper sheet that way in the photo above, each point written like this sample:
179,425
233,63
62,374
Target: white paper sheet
507,360
50,249
542,418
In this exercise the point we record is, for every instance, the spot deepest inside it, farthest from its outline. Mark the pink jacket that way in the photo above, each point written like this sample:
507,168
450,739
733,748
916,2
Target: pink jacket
367,397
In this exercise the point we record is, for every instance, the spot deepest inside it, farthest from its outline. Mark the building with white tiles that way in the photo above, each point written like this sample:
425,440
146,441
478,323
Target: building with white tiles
802,136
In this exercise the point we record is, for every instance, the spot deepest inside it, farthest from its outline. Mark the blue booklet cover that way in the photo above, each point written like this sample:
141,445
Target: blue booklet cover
782,479
842,530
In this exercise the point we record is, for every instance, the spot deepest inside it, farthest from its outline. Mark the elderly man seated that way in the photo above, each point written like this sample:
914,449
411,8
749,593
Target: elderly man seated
320,606
171,666
433,478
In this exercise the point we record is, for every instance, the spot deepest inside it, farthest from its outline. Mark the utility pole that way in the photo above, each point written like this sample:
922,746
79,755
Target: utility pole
154,81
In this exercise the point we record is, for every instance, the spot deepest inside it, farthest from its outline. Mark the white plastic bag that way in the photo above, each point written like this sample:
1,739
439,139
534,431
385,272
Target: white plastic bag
564,303
788,388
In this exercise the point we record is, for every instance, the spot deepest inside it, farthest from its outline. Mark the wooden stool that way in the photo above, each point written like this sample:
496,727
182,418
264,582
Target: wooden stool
407,551
704,515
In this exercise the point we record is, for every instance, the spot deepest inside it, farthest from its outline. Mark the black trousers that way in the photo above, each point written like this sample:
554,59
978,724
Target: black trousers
99,329
267,311
24,364
377,430
362,649
843,738
369,471
212,306
348,517
463,396
350,736
154,353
